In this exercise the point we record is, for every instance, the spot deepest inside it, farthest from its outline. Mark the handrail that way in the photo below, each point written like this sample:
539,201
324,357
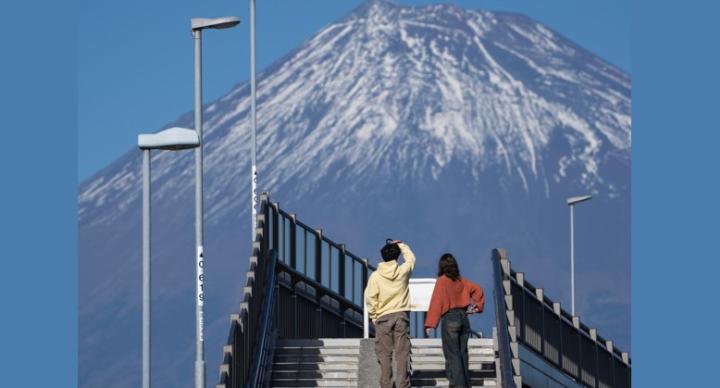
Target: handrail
323,238
317,261
542,327
506,336
318,286
285,248
567,318
242,339
261,352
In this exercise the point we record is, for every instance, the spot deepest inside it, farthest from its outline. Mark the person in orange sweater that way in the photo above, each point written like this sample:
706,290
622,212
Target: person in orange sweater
453,299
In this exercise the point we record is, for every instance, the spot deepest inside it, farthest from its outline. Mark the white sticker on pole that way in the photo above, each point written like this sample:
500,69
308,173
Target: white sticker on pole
200,283
420,293
254,187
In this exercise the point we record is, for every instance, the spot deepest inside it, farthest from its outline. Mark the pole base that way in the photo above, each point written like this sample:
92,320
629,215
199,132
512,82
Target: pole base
199,374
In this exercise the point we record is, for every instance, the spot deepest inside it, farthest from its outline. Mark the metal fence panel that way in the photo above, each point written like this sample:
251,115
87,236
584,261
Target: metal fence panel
551,337
556,335
532,324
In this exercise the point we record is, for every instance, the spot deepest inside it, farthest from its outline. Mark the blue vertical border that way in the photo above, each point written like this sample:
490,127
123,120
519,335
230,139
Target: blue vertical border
675,193
676,189
38,128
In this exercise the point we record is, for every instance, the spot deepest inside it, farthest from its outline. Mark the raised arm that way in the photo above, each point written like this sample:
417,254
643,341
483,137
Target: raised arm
409,258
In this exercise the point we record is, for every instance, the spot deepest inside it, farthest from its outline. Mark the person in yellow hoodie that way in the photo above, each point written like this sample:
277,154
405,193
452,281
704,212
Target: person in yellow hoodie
388,301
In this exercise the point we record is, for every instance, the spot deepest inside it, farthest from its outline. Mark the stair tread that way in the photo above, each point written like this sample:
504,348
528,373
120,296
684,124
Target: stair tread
334,362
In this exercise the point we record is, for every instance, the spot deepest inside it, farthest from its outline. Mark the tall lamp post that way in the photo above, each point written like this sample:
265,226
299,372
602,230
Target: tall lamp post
572,202
253,170
172,139
196,26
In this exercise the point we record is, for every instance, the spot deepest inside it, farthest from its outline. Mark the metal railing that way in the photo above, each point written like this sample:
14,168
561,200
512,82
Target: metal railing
237,367
263,348
321,284
525,316
300,284
508,351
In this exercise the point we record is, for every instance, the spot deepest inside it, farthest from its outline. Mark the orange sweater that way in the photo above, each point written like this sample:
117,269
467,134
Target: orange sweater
449,294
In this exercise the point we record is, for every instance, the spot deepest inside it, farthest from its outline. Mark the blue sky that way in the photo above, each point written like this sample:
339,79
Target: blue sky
135,58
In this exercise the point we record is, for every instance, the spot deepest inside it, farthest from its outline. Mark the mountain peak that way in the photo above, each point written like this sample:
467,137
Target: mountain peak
380,3
485,89
455,127
372,9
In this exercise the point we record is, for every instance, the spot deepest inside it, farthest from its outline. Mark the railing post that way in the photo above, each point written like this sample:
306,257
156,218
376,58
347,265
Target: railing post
296,333
343,326
341,271
363,283
341,286
576,325
319,324
318,255
352,280
596,374
293,242
541,311
627,378
275,216
318,278
611,362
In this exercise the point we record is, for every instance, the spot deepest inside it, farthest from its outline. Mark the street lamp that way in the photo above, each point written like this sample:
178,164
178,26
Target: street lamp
172,139
196,26
253,168
572,202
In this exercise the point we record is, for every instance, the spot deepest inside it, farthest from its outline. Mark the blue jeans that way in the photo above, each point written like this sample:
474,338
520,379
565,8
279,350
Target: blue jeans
455,335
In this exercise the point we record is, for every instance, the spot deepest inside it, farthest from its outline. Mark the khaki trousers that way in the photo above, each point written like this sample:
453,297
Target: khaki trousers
391,333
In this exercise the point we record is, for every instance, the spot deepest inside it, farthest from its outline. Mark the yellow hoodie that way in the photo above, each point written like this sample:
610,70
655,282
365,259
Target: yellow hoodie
387,289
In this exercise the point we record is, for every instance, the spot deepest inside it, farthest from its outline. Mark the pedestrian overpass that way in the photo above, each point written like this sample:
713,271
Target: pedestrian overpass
300,324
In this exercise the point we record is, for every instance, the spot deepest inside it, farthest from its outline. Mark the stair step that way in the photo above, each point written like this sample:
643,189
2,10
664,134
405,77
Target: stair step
295,366
316,351
437,342
440,374
318,342
438,350
446,383
441,359
440,365
314,383
310,374
333,362
315,358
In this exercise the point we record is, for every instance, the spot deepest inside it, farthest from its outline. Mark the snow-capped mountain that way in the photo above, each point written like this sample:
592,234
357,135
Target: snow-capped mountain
455,130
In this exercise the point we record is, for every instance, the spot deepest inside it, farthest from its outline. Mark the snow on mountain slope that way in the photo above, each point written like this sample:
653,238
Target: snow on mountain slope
423,114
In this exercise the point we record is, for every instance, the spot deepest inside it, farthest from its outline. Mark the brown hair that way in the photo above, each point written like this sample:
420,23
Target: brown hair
448,266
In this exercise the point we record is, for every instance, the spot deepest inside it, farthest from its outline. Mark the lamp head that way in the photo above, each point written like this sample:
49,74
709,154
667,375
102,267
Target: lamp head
172,139
214,23
573,200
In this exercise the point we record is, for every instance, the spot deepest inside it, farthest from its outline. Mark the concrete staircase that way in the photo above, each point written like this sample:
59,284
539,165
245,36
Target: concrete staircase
427,363
336,362
324,362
